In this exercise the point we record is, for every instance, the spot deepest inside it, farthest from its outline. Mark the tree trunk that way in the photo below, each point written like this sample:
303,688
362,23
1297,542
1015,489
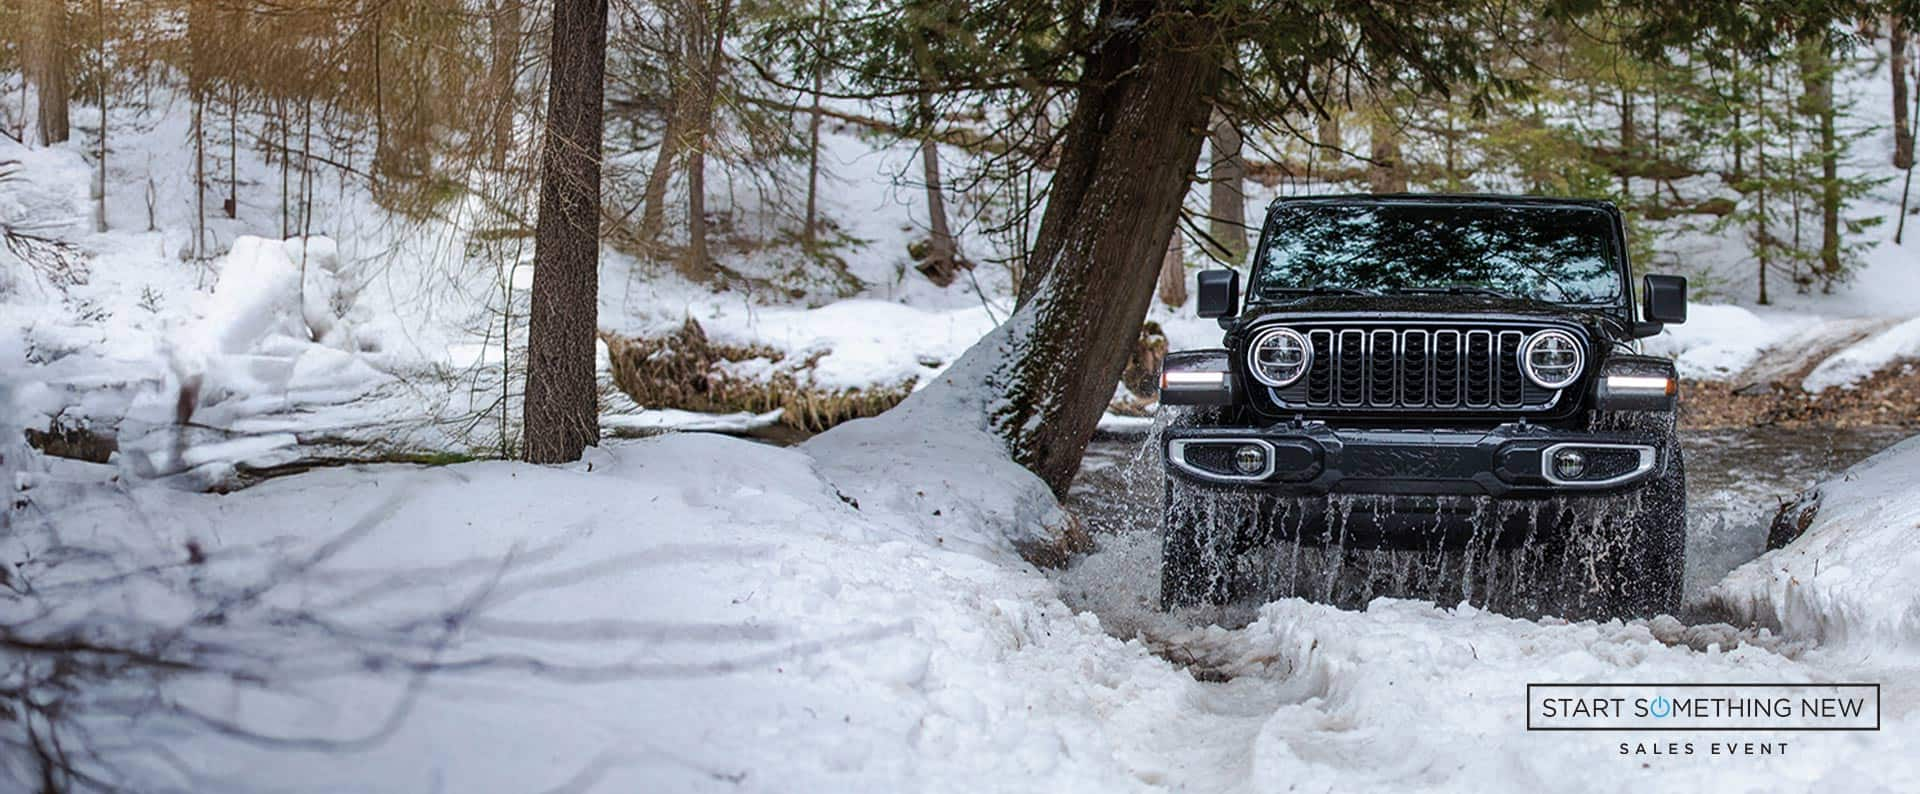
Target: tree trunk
1226,195
49,70
653,212
1326,129
1127,154
232,205
810,235
1629,140
711,33
502,67
941,261
1173,273
100,97
1386,174
1816,75
561,412
199,176
1902,129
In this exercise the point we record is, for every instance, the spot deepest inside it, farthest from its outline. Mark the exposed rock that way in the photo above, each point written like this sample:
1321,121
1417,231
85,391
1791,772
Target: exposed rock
1793,519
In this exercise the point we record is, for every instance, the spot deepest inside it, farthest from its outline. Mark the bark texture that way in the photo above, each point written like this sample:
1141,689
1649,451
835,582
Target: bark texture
1226,192
48,51
562,405
1901,63
1127,154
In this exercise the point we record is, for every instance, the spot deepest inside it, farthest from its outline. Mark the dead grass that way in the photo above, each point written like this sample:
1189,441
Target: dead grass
1890,397
688,371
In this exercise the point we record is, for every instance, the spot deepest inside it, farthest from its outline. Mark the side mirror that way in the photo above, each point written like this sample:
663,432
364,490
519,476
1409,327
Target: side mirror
1219,292
1665,299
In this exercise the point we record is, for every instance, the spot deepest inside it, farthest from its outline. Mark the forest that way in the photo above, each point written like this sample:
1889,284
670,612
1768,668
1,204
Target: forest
1699,122
526,395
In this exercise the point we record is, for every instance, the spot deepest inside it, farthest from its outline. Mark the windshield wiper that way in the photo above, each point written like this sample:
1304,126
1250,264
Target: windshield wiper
1452,289
1318,291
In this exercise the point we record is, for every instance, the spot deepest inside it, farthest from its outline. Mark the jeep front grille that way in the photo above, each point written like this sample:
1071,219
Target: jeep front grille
1435,368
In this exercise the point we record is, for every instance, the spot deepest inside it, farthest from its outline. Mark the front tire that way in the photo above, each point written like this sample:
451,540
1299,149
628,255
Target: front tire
1652,577
1195,565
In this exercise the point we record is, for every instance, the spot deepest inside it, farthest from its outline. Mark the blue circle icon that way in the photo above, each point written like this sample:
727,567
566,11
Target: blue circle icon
1661,707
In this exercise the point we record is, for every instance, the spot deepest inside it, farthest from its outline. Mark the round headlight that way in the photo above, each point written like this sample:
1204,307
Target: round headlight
1279,356
1552,359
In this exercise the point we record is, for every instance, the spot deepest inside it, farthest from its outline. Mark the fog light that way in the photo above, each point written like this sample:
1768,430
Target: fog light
1569,464
1250,459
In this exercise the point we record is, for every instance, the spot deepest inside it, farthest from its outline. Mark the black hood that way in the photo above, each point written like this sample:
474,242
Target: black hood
1603,323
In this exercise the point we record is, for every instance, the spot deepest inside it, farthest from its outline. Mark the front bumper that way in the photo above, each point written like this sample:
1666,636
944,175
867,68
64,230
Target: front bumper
1508,460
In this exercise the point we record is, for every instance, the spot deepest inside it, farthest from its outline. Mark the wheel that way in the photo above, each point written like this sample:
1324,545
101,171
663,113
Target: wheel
1652,573
1196,563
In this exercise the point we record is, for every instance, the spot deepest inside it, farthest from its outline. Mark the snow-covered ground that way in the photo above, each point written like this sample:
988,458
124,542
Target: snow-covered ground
694,612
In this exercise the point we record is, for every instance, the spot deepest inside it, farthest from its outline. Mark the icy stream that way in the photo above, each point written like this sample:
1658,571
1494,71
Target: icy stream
1735,481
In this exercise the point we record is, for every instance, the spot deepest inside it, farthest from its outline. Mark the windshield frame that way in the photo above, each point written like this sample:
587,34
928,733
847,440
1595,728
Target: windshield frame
1616,246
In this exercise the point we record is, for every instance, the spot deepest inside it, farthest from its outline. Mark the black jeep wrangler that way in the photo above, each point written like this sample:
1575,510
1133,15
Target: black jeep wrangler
1439,355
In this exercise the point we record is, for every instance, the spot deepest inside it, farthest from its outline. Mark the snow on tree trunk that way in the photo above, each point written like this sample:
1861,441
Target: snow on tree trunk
562,406
1128,152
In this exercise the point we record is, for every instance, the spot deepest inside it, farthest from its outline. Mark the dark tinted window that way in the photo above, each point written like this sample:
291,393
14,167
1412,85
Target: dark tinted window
1563,254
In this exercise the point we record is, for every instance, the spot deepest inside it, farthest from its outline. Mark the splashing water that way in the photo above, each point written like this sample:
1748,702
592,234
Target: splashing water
1734,480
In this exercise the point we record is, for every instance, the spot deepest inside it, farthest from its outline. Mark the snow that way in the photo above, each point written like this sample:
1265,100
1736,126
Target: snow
693,612
1852,581
1895,345
1718,342
697,612
859,343
660,420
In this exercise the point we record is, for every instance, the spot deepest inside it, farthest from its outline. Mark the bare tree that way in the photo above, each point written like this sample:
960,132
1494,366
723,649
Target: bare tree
561,412
502,67
48,69
1899,63
810,235
709,33
100,79
942,260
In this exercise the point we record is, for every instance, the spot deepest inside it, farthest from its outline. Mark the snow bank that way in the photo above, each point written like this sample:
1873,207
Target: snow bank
693,612
857,343
932,458
1866,357
674,614
1719,342
1853,579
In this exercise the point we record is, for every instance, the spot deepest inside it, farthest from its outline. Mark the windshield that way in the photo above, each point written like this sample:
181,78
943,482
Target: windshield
1564,254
